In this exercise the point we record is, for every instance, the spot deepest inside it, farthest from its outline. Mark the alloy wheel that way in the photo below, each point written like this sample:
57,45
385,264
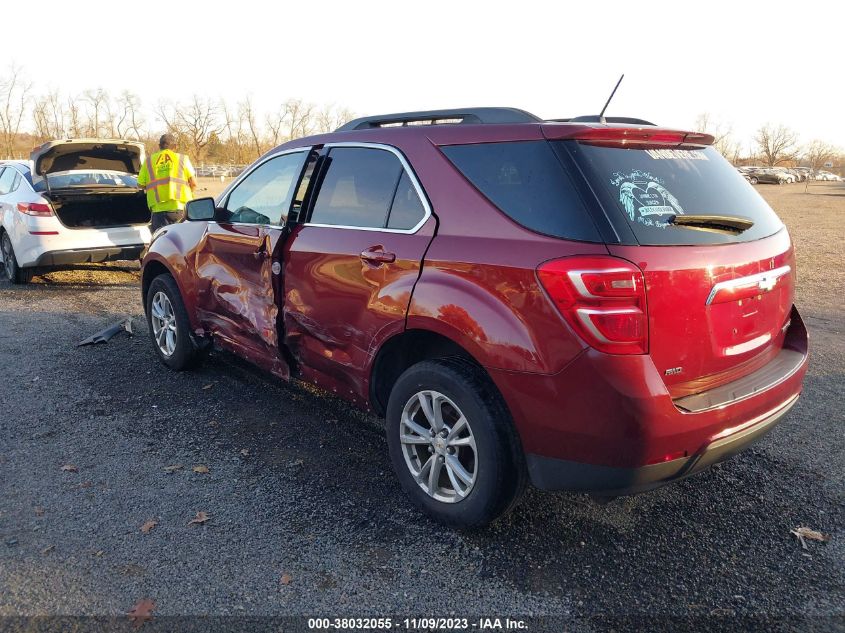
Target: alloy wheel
438,446
163,320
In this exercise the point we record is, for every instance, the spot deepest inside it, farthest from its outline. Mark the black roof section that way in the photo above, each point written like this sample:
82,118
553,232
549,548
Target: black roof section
456,115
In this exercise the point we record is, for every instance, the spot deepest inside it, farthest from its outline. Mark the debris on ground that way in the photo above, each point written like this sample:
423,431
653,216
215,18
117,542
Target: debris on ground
201,468
104,336
148,526
285,579
804,533
201,517
173,468
141,612
69,468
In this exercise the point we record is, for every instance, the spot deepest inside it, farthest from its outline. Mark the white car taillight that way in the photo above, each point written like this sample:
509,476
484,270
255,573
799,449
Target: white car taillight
37,209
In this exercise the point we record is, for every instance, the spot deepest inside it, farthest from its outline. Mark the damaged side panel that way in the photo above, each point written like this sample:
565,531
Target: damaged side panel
236,294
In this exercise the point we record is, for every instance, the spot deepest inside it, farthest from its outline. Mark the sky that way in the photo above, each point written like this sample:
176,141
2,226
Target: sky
744,63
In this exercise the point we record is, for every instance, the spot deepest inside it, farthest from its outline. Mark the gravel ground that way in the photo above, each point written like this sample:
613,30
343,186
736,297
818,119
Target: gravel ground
306,517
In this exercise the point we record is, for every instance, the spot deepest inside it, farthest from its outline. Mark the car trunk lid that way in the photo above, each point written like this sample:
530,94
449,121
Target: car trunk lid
718,266
715,313
86,155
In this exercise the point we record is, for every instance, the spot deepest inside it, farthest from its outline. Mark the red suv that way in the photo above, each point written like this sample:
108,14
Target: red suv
593,305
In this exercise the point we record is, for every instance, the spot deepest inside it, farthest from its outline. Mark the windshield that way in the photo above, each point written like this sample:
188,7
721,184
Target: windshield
87,179
643,189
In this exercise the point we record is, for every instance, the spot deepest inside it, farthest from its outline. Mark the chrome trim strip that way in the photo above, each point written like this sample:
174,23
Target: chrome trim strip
578,282
414,181
769,275
583,316
726,433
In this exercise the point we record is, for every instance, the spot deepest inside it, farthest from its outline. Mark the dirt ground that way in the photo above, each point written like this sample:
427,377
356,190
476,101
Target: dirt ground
306,517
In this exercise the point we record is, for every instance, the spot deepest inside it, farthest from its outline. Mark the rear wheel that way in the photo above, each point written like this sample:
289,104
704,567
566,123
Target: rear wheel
753,180
169,325
14,273
453,445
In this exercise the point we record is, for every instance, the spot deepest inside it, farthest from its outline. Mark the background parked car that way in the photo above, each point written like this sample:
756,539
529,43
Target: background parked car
75,201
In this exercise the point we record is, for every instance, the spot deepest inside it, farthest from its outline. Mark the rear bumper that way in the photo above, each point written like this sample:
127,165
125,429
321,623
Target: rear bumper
89,255
548,473
608,424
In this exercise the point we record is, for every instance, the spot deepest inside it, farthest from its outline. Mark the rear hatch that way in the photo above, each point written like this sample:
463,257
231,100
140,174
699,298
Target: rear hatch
718,266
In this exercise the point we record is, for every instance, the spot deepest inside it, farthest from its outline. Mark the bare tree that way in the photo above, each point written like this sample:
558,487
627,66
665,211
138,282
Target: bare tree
329,118
97,113
196,124
74,118
247,117
295,118
41,118
776,144
817,153
14,98
57,114
722,133
129,118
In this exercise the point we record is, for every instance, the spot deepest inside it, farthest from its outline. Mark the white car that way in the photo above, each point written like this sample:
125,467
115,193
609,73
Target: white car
75,201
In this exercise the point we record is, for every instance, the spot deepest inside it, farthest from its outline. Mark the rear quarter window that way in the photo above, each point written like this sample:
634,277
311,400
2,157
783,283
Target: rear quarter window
643,188
528,183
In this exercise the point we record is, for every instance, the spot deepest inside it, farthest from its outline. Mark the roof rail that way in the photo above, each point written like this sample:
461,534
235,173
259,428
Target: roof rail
595,118
431,117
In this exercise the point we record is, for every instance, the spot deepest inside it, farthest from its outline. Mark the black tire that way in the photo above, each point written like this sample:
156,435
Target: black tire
753,181
501,475
14,273
185,355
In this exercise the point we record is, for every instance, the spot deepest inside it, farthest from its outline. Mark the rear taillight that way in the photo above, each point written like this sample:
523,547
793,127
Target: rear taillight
602,298
38,209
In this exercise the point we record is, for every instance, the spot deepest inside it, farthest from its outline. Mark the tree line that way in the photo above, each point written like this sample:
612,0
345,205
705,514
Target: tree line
216,130
771,145
209,129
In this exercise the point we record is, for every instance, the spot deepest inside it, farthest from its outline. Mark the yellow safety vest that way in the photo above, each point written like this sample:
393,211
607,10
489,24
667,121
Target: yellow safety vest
166,180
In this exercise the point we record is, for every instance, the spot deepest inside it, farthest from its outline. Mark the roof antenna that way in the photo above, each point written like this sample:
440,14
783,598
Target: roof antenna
601,114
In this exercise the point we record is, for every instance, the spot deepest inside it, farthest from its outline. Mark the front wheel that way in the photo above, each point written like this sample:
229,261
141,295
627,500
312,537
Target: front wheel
453,445
169,325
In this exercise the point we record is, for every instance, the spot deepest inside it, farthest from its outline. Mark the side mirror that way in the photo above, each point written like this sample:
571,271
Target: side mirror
200,209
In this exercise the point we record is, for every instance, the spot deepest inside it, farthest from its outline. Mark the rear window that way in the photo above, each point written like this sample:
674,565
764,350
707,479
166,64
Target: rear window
644,188
527,182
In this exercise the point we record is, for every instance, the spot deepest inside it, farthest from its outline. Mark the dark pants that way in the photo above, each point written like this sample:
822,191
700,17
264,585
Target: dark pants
163,218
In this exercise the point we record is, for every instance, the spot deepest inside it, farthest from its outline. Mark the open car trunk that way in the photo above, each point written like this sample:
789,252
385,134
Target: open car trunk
86,208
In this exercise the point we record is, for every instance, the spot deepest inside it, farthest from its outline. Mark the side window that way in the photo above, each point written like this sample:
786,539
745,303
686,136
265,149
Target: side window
358,187
407,209
7,179
16,183
528,183
265,195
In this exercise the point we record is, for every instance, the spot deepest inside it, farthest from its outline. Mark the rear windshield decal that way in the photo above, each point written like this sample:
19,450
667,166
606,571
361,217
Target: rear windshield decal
645,199
676,154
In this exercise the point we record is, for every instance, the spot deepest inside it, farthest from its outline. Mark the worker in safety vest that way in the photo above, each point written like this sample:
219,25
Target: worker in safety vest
169,180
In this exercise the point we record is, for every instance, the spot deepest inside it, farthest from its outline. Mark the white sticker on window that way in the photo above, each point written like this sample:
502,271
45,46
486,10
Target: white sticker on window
645,199
676,154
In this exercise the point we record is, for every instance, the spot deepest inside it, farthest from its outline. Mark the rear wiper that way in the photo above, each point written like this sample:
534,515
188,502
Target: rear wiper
718,223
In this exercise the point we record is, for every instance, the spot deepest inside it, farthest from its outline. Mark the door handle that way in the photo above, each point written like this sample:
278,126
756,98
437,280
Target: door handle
375,255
